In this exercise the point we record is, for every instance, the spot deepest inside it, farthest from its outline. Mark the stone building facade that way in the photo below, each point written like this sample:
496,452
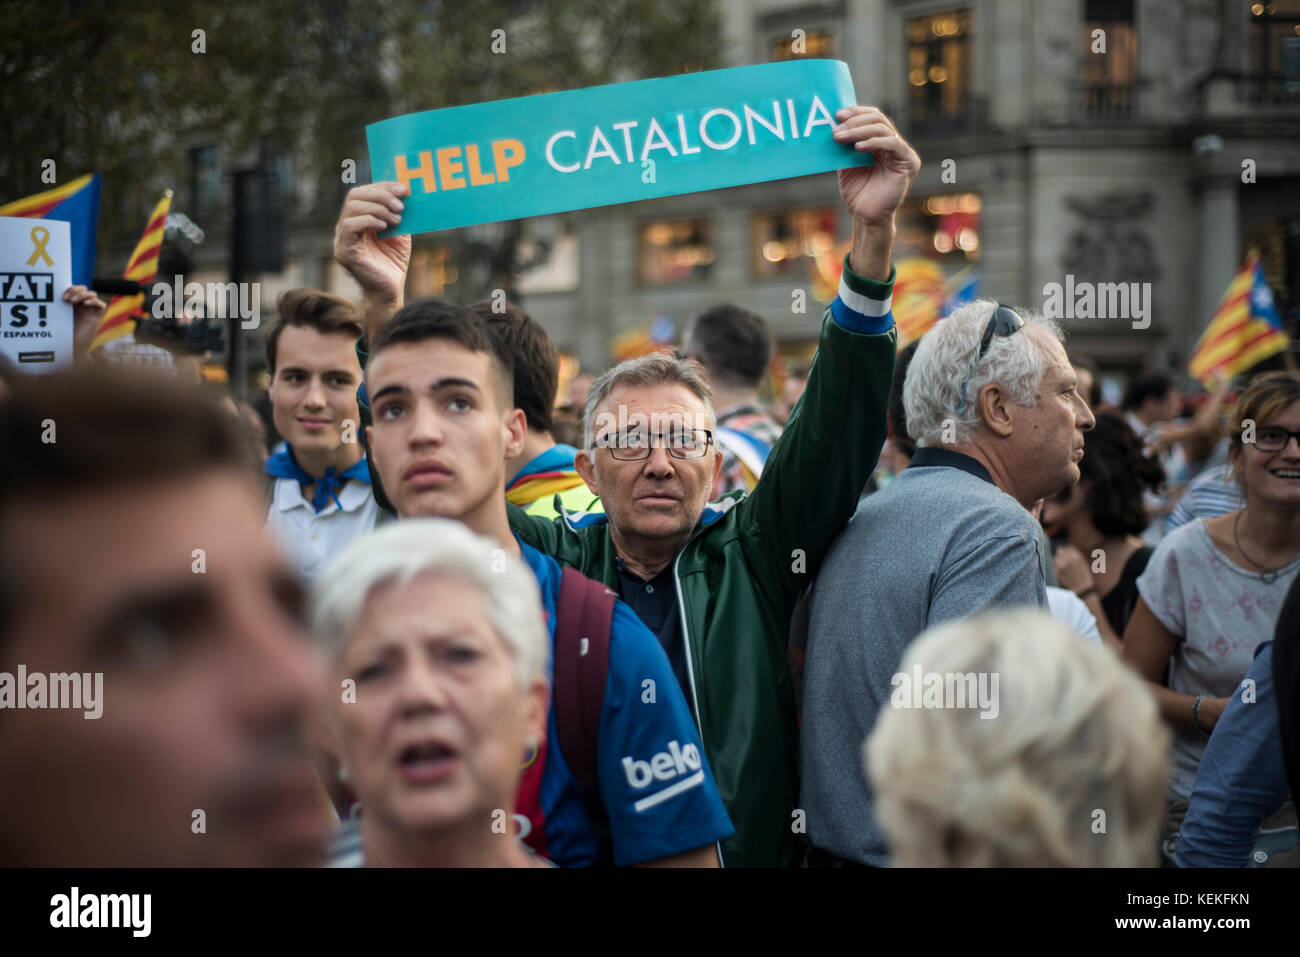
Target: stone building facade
1064,141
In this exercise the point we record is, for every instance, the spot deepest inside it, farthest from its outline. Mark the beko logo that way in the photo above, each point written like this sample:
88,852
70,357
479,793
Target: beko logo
682,765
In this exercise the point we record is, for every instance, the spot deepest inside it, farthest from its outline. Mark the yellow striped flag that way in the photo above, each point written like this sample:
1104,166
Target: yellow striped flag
1244,329
143,268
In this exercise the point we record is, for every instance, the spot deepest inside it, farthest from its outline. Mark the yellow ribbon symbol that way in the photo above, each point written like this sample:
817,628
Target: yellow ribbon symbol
40,236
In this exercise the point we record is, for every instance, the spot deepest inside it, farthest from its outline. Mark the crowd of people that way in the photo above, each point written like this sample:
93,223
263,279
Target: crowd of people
932,608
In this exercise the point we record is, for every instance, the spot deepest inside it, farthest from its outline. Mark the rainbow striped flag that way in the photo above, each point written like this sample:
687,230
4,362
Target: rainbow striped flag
1244,329
143,268
76,203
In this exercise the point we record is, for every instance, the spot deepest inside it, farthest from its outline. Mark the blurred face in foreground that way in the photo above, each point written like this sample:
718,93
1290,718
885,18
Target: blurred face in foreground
436,739
197,758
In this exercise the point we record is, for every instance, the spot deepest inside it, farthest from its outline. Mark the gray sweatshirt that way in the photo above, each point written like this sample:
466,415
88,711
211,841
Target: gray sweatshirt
938,543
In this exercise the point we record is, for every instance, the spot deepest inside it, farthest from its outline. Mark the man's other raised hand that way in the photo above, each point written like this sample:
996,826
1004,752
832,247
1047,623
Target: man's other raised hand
873,194
378,265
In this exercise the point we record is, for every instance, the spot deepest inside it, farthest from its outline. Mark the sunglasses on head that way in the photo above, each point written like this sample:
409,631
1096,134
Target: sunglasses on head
1004,322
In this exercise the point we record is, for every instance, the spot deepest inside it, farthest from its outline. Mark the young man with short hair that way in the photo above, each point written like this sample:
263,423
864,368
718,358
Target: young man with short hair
319,487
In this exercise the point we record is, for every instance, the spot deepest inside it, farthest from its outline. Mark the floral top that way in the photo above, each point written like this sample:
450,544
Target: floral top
1221,612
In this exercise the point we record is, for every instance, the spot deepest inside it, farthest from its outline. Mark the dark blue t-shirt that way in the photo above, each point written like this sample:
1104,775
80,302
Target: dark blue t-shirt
655,783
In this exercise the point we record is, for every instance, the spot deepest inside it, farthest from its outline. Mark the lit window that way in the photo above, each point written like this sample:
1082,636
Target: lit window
937,63
789,241
1110,64
1275,39
946,228
672,251
431,272
814,45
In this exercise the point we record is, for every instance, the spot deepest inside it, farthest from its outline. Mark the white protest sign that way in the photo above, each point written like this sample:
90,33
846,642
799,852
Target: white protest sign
35,269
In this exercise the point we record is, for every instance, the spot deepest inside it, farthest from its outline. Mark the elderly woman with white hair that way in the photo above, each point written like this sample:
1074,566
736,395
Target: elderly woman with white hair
1068,770
437,694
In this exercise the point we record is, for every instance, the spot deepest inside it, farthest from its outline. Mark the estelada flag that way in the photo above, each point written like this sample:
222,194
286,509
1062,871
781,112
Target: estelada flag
643,340
143,268
919,296
1245,328
76,203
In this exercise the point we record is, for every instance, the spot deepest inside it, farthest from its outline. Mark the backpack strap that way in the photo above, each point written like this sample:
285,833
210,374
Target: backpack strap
583,618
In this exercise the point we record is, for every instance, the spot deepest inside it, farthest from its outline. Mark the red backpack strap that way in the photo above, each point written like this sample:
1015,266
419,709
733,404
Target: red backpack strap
583,617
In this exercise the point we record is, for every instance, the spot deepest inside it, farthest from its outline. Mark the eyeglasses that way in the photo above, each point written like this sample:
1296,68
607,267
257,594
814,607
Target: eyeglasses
634,446
1274,438
1004,322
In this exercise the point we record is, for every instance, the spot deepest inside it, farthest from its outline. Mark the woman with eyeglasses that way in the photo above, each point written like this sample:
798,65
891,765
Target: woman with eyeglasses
1102,516
1212,591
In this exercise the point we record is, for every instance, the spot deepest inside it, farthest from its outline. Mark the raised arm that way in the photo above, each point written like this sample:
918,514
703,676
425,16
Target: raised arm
87,313
872,194
378,265
818,468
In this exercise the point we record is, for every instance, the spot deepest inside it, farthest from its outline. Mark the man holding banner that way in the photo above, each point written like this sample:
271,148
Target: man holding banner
731,574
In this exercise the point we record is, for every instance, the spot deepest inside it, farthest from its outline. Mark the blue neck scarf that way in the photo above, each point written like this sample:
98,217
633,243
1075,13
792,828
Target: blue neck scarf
281,464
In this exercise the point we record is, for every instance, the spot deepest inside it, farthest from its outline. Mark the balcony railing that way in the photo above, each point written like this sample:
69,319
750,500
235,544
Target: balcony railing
933,122
1225,92
1268,89
1106,101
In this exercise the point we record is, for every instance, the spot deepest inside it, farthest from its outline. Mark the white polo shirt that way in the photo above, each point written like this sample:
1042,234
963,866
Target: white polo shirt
311,540
1067,607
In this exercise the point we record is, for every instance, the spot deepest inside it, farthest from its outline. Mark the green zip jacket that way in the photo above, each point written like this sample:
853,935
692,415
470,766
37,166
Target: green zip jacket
749,557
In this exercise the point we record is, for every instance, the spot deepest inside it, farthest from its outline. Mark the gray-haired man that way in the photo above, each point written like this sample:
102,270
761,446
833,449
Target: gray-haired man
990,399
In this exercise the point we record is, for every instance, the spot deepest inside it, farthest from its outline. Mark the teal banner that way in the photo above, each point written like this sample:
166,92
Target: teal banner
534,155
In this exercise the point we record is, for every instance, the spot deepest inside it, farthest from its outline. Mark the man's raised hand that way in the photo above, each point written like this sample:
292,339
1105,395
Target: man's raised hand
874,193
378,265
87,313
